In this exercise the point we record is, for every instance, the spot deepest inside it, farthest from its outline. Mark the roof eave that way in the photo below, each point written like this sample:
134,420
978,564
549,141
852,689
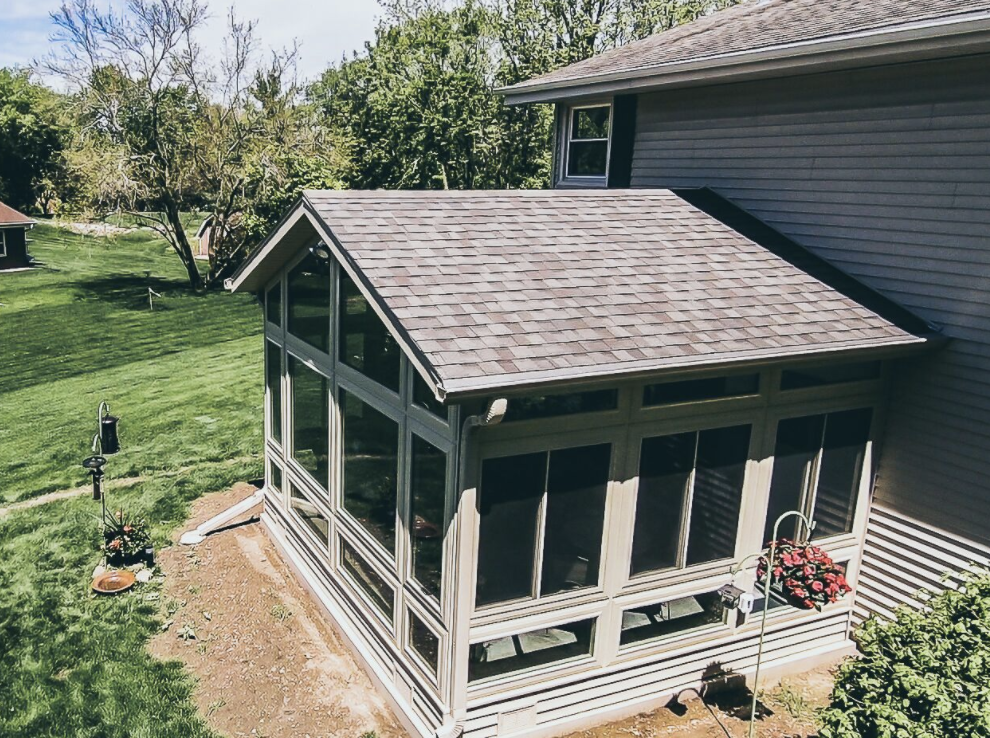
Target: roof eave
969,34
460,390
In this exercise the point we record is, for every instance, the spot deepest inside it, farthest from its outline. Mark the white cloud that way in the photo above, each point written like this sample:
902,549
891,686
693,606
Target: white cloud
326,30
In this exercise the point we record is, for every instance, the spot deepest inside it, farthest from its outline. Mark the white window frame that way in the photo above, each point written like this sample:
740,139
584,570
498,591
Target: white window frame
3,243
566,154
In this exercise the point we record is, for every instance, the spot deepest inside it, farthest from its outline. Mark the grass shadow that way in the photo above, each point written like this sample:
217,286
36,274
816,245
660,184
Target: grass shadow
130,291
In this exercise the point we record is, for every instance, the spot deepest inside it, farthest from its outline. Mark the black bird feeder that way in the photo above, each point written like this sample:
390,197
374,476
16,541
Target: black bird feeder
109,442
95,465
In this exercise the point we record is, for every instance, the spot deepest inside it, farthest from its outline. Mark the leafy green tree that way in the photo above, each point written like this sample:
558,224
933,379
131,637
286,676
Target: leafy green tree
163,130
419,106
924,674
33,132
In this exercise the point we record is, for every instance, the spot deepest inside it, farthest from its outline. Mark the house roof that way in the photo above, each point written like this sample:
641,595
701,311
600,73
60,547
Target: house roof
500,289
9,217
797,33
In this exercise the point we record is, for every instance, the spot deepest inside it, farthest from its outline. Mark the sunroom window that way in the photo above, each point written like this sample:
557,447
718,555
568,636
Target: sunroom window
370,448
688,499
273,304
544,507
381,595
318,525
818,376
531,649
273,382
671,617
365,343
308,302
427,492
549,406
818,464
587,141
310,420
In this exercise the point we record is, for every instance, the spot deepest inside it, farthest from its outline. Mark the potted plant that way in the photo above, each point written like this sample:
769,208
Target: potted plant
125,541
804,575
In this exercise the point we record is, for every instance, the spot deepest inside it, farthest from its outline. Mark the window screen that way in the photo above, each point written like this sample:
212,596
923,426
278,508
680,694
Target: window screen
428,488
556,497
310,420
531,649
308,302
370,447
831,446
273,380
365,343
688,498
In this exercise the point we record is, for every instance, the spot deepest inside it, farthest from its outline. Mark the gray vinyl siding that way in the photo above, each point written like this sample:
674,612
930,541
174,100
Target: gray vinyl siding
885,172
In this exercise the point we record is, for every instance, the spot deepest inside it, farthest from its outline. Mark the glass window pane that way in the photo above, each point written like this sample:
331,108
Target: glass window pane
309,302
695,390
667,618
509,500
365,343
665,466
846,435
798,442
307,512
575,517
528,650
549,406
715,502
424,642
587,158
377,589
423,396
273,305
310,420
818,376
371,463
275,476
273,380
428,488
590,122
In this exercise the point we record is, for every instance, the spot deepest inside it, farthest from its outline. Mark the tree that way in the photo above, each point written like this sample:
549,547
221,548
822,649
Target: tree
165,129
33,132
924,674
419,106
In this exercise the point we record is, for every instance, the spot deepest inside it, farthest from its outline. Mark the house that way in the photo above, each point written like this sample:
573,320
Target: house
13,239
516,442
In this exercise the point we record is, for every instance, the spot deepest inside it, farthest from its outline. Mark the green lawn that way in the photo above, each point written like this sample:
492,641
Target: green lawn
186,381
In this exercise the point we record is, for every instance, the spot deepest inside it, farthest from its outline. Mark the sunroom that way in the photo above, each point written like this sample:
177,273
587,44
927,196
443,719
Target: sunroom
518,441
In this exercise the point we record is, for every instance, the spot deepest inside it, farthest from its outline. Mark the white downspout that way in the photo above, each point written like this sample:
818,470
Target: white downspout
192,537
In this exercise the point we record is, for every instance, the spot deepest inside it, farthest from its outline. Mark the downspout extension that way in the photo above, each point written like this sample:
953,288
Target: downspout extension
450,730
192,537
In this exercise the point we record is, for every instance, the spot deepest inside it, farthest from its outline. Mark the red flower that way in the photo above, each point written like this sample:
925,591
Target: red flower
799,592
115,544
778,572
808,571
817,586
128,529
808,604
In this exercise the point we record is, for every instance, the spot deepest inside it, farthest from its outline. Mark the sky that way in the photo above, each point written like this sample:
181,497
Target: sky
325,29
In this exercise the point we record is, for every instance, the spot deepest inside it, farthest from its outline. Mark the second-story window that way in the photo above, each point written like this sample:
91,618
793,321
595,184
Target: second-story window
587,141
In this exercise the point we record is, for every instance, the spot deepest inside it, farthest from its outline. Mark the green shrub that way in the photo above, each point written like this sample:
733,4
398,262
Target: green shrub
925,674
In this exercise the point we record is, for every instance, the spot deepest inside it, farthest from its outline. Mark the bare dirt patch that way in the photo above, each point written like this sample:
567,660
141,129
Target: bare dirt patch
267,661
789,712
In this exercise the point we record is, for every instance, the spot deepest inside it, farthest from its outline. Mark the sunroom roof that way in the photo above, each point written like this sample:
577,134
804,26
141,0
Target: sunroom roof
493,290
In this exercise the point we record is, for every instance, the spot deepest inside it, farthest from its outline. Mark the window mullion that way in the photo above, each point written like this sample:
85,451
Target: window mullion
686,507
541,533
811,492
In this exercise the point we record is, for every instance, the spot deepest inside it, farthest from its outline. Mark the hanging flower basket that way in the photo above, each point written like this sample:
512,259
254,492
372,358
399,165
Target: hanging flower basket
804,575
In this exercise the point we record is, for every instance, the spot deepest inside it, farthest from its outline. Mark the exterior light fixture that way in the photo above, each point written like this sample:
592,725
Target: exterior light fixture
321,251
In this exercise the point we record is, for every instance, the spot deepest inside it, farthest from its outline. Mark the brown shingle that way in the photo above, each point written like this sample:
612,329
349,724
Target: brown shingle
618,282
751,26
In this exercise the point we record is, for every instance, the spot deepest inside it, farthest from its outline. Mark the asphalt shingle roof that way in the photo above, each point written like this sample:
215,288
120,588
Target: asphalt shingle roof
503,288
9,216
752,26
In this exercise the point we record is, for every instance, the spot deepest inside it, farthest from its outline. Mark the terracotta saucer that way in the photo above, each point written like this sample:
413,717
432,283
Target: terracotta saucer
113,582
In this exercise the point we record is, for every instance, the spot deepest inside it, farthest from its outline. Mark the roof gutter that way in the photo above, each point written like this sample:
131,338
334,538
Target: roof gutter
968,34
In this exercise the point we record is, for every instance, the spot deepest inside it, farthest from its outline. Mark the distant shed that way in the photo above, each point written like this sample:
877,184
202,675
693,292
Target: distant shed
13,238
